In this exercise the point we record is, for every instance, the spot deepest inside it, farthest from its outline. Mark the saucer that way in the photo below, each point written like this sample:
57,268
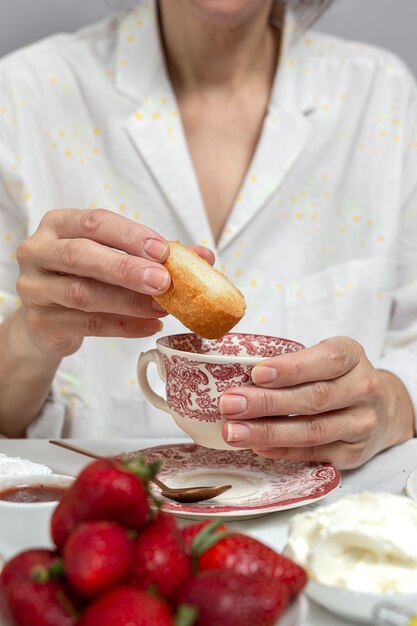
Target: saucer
259,485
411,485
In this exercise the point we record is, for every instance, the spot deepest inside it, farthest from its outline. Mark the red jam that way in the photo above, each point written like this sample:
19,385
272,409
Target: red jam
33,493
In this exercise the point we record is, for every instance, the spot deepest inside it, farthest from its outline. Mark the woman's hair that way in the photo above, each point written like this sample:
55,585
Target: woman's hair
308,11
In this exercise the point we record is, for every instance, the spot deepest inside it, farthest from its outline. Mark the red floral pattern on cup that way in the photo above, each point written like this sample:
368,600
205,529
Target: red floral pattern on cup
233,344
193,386
189,389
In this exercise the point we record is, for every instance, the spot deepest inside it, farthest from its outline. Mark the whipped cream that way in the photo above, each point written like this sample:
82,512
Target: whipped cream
364,542
15,466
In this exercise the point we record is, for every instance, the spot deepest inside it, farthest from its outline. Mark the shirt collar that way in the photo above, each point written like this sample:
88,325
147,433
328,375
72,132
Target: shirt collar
139,61
140,67
141,75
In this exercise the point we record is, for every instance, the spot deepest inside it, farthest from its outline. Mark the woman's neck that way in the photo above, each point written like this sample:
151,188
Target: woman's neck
210,57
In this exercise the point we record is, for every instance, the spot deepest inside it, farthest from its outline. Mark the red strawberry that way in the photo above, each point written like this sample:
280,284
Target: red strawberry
97,555
40,604
245,555
5,617
160,559
127,606
190,532
25,565
224,598
107,489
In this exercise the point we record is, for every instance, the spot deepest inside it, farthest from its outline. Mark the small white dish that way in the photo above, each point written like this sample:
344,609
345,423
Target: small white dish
411,485
355,606
25,525
259,485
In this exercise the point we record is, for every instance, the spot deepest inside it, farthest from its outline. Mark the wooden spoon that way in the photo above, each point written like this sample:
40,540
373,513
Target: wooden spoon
183,494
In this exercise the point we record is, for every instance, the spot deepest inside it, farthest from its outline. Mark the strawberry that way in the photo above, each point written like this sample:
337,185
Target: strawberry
226,598
5,616
160,559
245,555
26,565
190,532
40,604
107,489
97,555
127,606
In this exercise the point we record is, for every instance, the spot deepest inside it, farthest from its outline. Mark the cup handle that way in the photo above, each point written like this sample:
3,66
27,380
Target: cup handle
145,358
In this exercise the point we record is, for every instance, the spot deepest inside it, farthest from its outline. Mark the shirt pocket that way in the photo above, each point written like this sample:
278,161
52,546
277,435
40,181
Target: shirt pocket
352,299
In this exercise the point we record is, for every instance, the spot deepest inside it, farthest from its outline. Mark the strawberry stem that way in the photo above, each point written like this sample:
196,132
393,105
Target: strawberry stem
42,574
186,615
143,470
132,535
66,604
207,537
153,590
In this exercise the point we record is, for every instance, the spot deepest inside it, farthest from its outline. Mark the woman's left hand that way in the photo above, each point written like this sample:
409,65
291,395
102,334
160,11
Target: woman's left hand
325,403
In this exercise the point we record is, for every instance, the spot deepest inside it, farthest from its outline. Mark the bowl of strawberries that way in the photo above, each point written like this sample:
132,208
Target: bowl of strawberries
118,561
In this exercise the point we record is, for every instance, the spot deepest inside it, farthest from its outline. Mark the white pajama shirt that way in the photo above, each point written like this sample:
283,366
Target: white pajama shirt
322,237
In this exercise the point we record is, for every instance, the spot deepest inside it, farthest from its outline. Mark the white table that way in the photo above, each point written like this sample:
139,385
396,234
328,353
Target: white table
387,472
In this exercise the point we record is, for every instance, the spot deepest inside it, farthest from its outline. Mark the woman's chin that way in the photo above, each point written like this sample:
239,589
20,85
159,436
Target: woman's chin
227,12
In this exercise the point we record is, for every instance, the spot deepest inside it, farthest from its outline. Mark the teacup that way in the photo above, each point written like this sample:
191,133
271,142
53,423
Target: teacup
197,371
25,524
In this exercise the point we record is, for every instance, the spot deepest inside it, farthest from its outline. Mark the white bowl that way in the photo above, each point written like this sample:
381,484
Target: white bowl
356,606
411,486
296,613
26,525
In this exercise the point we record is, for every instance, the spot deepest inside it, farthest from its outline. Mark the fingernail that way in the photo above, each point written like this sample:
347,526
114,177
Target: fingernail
156,248
237,432
157,307
262,374
232,404
156,278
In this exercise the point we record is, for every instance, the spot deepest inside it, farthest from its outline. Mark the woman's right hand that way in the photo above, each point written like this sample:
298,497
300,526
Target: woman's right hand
90,273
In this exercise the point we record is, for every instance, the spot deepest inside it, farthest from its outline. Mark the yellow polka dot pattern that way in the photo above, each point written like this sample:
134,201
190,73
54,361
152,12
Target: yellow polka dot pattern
312,237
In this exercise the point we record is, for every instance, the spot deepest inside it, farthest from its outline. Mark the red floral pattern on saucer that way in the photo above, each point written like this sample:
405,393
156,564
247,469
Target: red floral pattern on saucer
259,485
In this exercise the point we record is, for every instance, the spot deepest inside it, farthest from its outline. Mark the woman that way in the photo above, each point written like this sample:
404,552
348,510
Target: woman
215,123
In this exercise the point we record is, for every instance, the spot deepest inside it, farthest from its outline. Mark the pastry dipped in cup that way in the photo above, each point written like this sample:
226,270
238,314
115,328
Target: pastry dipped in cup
200,296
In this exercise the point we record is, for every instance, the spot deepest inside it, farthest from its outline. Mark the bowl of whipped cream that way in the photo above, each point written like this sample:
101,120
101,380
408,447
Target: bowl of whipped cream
359,552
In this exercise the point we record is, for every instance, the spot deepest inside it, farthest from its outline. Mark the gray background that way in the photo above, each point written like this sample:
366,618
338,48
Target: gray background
391,24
